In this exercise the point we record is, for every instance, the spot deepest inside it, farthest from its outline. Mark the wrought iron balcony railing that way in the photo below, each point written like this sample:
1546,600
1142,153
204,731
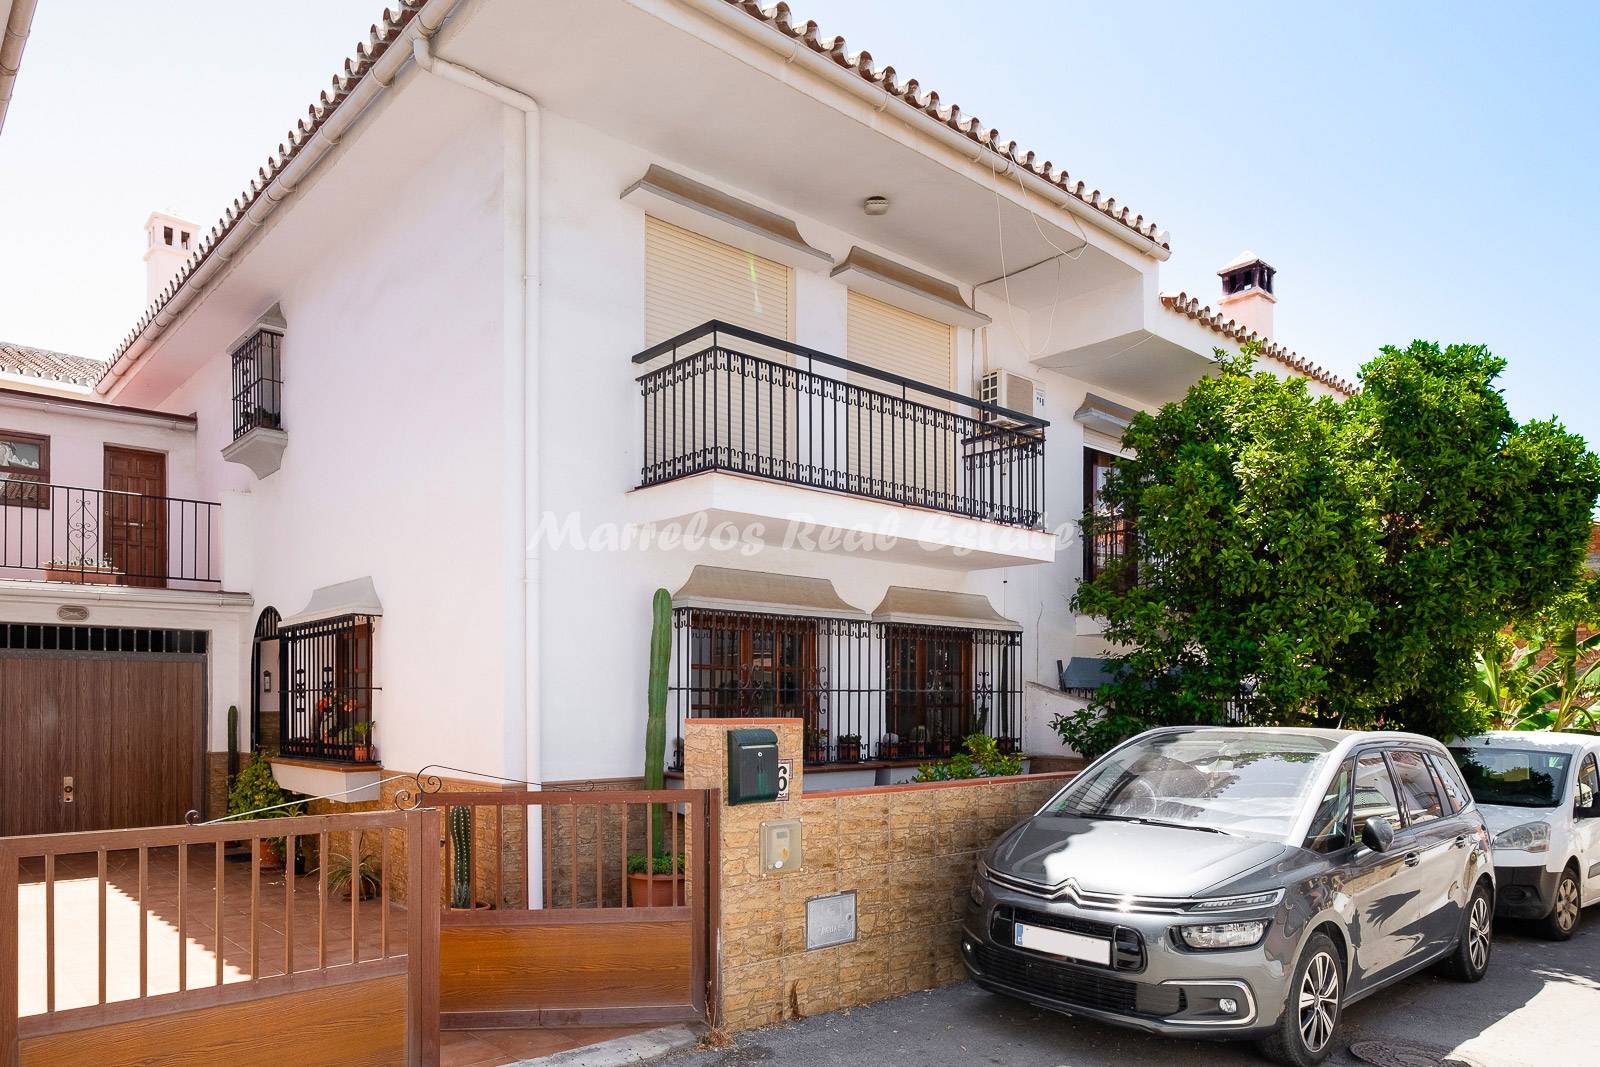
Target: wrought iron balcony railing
60,533
778,410
258,383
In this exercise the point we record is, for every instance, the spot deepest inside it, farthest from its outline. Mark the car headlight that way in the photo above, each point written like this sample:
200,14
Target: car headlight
1248,902
976,890
1529,837
1224,935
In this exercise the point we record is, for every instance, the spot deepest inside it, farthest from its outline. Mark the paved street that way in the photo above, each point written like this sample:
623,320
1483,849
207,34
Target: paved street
1539,1005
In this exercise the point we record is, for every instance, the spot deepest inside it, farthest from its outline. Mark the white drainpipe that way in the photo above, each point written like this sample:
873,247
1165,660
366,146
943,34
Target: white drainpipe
523,737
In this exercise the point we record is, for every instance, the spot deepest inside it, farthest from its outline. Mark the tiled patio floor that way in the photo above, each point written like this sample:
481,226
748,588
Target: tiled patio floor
77,941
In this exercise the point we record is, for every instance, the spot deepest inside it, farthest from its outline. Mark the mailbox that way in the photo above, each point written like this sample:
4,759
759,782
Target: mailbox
752,766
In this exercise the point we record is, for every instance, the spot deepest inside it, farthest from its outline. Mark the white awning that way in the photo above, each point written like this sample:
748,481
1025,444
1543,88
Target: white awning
933,607
355,597
730,589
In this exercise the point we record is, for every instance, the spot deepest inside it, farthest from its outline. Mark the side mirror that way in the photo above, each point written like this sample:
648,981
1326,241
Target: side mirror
1587,811
1377,834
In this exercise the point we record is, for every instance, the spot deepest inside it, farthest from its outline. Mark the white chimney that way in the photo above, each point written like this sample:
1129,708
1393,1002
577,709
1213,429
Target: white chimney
1247,292
169,242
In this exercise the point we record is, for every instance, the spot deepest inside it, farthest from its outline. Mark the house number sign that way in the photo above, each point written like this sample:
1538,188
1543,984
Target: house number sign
831,919
785,769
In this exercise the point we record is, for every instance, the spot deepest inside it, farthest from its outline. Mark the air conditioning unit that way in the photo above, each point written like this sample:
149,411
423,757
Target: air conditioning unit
1007,390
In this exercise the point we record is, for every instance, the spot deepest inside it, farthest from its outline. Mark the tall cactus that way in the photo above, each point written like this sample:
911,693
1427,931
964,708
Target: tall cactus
460,823
233,741
655,728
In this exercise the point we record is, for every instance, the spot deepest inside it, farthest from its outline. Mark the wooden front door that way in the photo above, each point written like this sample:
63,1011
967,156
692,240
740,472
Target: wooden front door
126,729
135,515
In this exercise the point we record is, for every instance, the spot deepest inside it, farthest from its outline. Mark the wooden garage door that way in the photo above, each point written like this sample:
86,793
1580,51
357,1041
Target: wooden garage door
127,729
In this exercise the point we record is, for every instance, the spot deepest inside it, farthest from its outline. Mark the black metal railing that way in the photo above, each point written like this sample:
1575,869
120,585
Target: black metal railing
328,713
1111,544
258,383
867,690
61,533
772,413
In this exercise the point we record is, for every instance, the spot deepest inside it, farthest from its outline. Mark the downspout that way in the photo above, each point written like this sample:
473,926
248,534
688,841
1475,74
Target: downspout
523,733
13,37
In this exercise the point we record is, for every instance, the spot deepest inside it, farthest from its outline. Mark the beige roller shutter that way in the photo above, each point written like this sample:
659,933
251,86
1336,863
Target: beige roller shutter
689,279
891,455
731,415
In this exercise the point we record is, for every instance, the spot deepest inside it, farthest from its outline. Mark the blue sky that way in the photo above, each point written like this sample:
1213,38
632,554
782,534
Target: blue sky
1412,170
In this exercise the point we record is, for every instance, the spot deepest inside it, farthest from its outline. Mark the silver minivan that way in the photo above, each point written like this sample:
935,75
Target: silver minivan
1237,883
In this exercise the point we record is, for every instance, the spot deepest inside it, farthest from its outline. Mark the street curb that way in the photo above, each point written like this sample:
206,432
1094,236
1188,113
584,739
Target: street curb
622,1051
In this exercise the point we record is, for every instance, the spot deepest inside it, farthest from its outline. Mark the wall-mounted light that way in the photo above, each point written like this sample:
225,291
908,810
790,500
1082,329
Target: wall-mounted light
266,681
875,205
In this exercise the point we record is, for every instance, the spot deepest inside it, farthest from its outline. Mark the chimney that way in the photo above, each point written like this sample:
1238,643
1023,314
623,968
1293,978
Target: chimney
1247,292
169,242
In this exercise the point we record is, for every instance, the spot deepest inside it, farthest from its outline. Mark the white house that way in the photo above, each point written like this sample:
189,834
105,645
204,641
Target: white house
414,432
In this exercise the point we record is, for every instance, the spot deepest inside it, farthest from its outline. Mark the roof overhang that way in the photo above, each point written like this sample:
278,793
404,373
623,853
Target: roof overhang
935,607
357,598
731,589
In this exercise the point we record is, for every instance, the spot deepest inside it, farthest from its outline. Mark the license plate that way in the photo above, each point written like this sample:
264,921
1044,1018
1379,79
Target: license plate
1062,943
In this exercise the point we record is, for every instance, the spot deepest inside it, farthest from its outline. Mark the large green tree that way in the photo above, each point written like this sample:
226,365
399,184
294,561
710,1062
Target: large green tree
1306,560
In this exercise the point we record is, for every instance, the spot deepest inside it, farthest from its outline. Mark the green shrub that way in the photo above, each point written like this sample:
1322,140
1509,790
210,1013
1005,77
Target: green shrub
664,863
255,788
981,758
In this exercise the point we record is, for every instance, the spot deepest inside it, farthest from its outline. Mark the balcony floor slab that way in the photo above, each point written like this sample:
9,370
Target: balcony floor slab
776,514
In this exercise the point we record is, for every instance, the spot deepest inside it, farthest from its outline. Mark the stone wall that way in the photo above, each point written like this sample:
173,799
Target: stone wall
907,851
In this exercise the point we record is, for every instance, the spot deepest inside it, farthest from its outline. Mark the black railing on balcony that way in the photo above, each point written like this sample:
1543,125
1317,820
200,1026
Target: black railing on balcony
60,533
867,690
774,414
258,383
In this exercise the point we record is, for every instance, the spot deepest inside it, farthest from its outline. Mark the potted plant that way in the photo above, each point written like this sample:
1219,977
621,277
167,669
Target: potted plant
256,794
942,746
366,878
363,742
849,748
919,742
816,746
890,747
664,889
459,821
86,571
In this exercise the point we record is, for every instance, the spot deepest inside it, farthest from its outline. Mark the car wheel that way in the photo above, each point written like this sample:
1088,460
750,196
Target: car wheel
1311,1014
1562,922
1470,961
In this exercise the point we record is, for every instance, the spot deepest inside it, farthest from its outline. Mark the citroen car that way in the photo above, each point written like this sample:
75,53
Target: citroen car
1540,796
1237,883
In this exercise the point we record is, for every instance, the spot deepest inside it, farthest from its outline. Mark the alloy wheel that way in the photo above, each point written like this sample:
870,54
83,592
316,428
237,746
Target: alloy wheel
1478,932
1567,903
1319,1002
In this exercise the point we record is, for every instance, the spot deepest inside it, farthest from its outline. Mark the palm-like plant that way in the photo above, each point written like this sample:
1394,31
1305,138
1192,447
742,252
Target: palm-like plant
1546,676
1564,694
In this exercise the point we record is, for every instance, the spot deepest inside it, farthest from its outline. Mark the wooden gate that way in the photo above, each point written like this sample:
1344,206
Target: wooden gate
154,946
591,945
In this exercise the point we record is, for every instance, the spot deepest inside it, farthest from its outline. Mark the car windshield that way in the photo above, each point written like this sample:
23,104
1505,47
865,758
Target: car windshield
1514,777
1232,781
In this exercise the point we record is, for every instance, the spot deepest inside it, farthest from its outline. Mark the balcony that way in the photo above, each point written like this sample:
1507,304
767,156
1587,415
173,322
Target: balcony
84,537
865,450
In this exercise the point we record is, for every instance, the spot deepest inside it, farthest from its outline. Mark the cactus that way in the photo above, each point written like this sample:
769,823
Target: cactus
233,741
460,822
655,728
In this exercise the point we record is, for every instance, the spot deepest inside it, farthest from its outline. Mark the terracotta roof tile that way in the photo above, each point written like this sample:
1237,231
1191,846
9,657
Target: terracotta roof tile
911,94
382,34
1190,307
54,366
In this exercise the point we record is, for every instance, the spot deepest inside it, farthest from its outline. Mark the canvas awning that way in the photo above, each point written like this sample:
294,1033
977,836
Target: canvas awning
1087,673
731,589
357,597
933,607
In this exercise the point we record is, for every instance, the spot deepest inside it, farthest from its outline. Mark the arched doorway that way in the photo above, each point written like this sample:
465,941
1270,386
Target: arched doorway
267,674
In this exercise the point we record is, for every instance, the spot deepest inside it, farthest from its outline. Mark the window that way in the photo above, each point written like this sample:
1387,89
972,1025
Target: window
1455,790
752,666
1112,539
1330,827
329,667
1374,795
24,469
1418,791
1588,785
1514,777
258,383
930,685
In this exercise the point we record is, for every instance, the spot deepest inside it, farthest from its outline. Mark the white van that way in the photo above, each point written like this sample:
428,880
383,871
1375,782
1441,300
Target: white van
1540,796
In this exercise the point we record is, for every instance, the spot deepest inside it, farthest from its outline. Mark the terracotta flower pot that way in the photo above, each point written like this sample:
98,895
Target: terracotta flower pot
665,891
849,751
271,855
82,575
